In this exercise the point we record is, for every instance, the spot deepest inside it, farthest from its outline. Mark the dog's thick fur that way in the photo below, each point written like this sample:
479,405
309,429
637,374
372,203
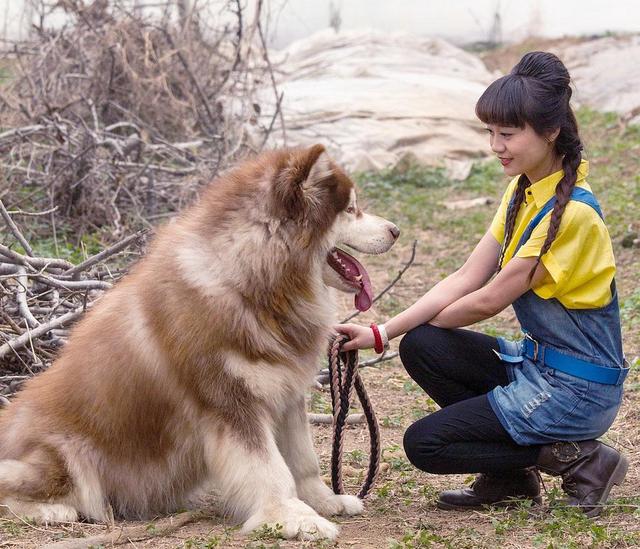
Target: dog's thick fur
191,372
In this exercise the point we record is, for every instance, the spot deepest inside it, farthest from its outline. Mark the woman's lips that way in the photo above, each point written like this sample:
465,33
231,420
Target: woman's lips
506,161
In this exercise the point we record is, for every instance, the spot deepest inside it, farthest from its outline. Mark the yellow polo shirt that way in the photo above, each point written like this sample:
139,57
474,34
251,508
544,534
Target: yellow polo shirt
580,261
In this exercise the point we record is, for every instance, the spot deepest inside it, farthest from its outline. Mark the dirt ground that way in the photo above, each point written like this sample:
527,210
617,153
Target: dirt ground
400,511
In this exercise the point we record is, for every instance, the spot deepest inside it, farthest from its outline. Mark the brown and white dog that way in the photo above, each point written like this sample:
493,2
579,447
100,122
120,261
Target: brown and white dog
191,371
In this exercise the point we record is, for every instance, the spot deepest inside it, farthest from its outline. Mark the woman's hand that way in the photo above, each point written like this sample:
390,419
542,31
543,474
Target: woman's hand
361,337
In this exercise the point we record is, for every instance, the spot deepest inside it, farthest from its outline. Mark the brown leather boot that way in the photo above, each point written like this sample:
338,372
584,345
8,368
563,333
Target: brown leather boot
589,469
493,489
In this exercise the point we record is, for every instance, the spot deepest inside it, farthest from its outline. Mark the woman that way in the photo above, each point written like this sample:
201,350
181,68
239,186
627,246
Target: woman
508,408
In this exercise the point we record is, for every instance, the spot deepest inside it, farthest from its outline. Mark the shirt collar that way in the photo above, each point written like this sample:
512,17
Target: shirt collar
543,190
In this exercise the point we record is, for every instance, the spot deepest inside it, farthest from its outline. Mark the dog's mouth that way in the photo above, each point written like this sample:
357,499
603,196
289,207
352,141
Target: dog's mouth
353,274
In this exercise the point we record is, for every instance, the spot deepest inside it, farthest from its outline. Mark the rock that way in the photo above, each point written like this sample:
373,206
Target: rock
470,203
379,99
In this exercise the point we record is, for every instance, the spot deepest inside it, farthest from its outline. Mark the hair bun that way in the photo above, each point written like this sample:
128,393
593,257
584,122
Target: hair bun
546,67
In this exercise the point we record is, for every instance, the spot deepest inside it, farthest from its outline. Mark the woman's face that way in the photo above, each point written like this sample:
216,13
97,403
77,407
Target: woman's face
522,150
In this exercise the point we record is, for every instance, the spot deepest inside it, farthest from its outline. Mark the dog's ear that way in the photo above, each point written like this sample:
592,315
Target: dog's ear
293,184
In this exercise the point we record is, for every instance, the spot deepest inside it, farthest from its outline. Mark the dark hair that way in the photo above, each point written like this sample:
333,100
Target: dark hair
536,92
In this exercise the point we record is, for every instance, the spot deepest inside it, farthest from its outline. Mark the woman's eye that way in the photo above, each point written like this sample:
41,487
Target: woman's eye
351,209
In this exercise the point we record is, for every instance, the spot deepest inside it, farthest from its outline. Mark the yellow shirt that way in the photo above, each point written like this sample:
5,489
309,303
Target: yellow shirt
580,261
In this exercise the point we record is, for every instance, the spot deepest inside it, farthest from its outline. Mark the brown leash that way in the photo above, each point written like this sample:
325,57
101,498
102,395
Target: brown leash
343,377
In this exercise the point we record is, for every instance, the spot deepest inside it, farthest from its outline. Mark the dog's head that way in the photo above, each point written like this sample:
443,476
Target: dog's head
312,192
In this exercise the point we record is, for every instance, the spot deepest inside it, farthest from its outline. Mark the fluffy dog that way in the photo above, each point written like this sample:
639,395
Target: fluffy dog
192,370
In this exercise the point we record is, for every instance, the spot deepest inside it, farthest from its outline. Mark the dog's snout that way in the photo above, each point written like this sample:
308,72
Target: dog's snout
395,232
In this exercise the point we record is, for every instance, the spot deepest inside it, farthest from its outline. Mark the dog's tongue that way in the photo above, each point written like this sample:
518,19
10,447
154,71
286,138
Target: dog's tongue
364,298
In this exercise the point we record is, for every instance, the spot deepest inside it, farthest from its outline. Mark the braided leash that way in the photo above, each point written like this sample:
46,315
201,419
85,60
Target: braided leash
344,375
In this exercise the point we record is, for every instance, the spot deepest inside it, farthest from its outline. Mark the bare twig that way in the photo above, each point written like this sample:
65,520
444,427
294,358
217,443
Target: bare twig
19,342
14,229
322,378
21,298
100,104
128,534
327,419
104,254
392,283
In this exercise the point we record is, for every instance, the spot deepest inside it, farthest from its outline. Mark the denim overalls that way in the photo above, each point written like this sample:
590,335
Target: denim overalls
543,404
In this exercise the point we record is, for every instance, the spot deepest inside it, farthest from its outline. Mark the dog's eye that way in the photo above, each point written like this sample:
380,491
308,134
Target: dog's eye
351,210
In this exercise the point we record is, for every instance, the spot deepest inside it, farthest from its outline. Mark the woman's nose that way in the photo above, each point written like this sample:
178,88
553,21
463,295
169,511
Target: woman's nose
497,145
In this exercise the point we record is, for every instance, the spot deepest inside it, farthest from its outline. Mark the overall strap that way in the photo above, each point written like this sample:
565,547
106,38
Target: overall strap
578,194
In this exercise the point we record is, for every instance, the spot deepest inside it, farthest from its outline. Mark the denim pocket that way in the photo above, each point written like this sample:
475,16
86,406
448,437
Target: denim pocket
574,387
588,411
543,405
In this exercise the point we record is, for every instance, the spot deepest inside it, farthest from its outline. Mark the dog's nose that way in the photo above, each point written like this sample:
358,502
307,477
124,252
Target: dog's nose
394,231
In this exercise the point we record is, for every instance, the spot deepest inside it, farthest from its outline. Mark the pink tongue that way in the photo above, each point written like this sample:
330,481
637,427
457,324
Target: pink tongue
364,298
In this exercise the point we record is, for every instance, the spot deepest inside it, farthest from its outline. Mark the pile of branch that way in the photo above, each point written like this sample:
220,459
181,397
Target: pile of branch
118,119
40,297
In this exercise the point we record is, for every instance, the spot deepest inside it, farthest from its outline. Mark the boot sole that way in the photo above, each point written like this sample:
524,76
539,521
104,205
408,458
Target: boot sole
617,477
502,504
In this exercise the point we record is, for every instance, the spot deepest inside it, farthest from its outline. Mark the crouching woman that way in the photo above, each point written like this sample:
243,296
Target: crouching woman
509,408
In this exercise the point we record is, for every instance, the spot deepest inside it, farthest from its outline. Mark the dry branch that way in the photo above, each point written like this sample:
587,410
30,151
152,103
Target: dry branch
129,534
392,283
38,296
117,117
327,419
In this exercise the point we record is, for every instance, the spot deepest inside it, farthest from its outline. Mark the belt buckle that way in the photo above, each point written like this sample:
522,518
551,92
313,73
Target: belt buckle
535,346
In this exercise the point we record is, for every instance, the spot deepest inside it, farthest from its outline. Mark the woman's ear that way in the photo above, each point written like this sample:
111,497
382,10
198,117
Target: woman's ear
552,136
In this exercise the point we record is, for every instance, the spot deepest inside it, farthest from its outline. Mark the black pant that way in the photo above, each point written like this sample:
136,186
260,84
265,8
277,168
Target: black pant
457,368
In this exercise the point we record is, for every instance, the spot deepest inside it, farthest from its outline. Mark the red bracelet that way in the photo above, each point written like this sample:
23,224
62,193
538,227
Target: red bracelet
378,346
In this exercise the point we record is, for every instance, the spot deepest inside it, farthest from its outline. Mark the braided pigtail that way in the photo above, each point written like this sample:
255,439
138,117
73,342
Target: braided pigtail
512,213
567,144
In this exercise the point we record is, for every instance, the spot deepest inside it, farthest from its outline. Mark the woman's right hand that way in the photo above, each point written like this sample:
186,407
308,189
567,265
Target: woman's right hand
361,337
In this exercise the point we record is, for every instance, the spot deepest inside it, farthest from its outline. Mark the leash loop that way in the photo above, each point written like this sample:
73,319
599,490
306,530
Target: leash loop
343,377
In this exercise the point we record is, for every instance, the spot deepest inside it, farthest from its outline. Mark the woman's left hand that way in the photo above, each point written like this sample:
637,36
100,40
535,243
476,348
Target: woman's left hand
361,337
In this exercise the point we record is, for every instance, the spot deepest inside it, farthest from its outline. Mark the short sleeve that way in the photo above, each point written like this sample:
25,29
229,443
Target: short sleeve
580,259
497,224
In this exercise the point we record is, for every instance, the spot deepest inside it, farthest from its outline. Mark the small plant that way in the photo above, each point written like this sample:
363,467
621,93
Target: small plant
396,462
319,403
10,527
383,491
423,537
355,457
268,532
209,543
392,421
411,387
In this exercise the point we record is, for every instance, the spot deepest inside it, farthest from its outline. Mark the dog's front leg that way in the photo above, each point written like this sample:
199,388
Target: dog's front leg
257,487
296,446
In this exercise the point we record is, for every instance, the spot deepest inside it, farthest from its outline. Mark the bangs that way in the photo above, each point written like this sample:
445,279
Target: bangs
503,103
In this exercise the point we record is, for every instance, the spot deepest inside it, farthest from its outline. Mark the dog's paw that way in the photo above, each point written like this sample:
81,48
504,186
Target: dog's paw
349,505
336,504
43,513
293,519
319,496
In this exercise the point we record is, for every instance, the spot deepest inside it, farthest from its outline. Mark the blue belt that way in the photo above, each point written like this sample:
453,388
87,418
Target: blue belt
568,364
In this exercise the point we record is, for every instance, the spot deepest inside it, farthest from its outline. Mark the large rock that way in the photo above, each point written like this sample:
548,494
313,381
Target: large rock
606,74
375,98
